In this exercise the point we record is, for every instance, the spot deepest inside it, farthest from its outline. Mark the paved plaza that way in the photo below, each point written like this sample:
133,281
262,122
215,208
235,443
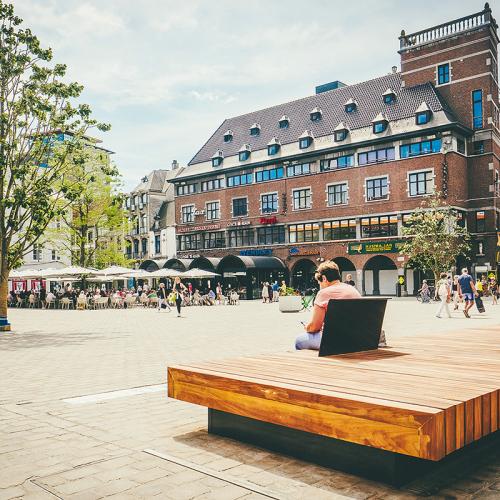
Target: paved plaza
84,412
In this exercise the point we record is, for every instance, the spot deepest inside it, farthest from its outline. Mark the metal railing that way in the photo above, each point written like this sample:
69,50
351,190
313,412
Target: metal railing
446,29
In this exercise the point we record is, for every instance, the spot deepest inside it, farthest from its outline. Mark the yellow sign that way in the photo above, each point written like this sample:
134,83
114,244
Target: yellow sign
491,276
401,280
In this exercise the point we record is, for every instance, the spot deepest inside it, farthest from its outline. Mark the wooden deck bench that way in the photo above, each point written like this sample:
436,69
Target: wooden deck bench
387,414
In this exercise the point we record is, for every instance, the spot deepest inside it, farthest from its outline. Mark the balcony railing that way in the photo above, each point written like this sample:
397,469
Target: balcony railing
450,28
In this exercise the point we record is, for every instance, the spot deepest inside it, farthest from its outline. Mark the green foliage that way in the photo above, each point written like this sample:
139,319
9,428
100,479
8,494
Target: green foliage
42,139
290,291
435,237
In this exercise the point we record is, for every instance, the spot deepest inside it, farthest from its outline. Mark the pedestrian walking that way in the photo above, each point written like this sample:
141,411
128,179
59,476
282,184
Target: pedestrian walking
425,293
443,292
494,291
276,291
162,298
283,288
454,291
270,292
179,288
467,290
265,293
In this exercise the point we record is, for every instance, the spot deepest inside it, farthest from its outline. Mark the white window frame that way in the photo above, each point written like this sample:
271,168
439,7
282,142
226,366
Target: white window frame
339,183
303,188
365,195
436,73
268,193
206,209
422,170
182,214
239,198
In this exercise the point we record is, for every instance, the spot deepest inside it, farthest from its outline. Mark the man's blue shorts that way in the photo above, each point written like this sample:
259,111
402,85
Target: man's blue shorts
469,297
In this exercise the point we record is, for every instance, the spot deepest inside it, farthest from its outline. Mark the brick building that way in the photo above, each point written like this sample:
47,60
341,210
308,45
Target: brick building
333,176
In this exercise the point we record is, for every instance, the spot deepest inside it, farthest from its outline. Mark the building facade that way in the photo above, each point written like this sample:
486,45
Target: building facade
335,175
151,212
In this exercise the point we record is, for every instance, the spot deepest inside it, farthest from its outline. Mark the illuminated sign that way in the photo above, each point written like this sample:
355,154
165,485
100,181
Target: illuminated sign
268,220
206,227
256,252
237,223
375,247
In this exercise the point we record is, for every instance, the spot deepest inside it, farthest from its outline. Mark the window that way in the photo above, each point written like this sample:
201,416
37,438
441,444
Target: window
183,189
339,229
189,242
217,161
337,194
270,235
420,148
460,145
90,234
301,199
315,115
240,207
213,210
187,213
379,127
241,237
244,155
299,233
477,109
54,255
214,240
269,203
496,185
212,184
144,198
284,122
377,189
239,180
389,96
339,162
255,129
443,74
273,149
340,135
136,248
157,244
478,147
422,117
144,246
228,136
374,227
305,142
480,221
350,107
420,183
377,156
127,202
269,175
299,169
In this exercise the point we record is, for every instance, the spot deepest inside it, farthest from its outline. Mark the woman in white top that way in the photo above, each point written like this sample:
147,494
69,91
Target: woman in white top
265,293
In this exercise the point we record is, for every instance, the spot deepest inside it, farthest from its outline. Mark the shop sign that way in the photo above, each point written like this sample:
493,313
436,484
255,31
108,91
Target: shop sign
375,247
303,251
237,223
256,252
268,220
206,227
199,212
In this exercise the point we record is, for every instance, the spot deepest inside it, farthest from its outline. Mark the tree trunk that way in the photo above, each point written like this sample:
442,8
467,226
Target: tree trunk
4,290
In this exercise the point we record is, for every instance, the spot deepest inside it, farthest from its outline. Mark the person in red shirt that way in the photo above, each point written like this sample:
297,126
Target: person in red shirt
328,277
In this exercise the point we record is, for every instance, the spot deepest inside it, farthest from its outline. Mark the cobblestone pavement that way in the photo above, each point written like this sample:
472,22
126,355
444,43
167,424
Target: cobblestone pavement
123,443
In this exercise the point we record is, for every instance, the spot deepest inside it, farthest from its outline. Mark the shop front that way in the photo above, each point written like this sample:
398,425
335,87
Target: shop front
247,272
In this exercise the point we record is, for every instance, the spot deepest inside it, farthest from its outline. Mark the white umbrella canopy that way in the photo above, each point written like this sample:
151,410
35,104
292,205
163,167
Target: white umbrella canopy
134,273
70,271
100,279
198,273
30,273
165,273
112,270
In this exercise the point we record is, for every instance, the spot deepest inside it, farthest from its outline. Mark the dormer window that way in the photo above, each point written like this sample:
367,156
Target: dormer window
350,106
316,115
340,132
217,158
379,124
305,140
423,114
228,136
244,152
284,122
389,96
273,146
255,129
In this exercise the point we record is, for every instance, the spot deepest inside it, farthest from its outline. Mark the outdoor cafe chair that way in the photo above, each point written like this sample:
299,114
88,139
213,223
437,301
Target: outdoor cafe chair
19,301
66,303
50,302
153,302
81,303
102,302
144,301
130,300
31,301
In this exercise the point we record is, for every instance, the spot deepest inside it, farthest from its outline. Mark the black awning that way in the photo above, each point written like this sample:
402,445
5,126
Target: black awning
205,263
178,264
234,263
152,265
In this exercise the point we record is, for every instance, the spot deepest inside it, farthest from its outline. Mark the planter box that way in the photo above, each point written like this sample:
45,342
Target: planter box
290,303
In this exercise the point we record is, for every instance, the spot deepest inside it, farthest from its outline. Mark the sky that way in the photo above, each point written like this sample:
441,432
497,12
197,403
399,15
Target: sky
165,73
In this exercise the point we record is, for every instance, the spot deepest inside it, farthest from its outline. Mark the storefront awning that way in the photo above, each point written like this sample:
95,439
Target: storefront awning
178,264
235,263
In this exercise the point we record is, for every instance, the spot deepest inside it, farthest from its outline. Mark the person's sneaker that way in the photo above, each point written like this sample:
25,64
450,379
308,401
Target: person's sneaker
438,316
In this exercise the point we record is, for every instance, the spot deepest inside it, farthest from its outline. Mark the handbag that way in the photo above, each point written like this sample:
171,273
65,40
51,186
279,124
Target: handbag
479,304
163,305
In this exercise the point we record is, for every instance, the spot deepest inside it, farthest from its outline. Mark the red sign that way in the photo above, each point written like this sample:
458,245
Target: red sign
268,220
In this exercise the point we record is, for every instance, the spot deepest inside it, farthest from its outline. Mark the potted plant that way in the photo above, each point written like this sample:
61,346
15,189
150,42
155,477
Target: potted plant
290,300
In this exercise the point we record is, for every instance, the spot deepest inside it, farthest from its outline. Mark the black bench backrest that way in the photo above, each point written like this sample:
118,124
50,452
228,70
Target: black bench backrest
352,325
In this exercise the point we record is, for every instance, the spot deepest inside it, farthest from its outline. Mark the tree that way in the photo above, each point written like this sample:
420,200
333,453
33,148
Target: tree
436,238
41,131
94,223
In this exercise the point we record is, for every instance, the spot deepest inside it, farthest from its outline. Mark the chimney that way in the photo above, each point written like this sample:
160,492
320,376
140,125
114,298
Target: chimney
175,165
394,69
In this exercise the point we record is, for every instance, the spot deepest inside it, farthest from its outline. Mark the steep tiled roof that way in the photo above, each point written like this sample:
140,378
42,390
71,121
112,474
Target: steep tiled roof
154,181
368,97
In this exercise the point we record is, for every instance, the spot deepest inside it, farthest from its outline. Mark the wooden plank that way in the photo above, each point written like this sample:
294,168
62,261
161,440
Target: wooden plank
469,421
478,418
494,411
450,430
460,425
486,412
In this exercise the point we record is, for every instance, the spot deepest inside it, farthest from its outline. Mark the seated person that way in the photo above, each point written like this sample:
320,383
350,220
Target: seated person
328,277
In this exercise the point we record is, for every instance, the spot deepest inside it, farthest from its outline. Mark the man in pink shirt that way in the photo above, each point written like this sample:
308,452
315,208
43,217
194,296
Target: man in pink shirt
328,277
